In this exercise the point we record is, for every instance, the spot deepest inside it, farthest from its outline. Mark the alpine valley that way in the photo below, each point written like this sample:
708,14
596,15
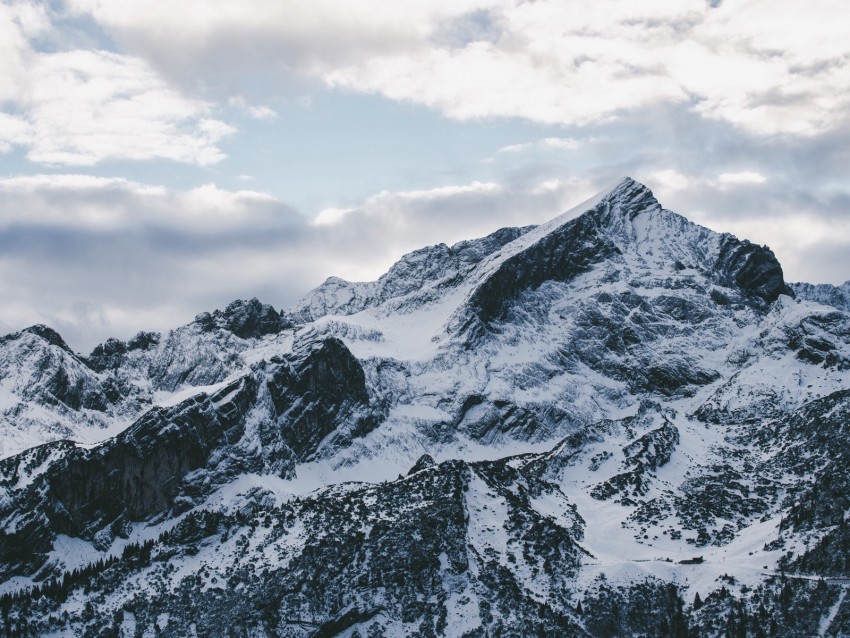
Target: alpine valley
618,423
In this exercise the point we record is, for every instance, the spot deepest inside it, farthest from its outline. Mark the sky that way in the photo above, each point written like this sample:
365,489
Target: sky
159,158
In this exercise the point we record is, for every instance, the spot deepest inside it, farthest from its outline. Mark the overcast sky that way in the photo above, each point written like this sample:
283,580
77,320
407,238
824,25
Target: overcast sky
160,158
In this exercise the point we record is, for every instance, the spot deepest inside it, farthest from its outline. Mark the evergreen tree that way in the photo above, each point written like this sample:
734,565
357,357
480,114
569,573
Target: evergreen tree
697,601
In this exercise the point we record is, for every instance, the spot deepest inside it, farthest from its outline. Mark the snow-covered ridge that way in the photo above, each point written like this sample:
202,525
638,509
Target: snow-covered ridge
836,296
607,394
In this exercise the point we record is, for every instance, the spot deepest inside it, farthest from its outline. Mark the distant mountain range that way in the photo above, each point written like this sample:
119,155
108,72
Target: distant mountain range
618,423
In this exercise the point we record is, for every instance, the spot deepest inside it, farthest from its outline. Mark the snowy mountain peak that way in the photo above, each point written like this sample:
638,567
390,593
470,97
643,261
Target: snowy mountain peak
46,333
245,319
629,198
590,421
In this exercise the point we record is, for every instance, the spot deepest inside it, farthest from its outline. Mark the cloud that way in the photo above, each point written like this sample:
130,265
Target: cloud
83,107
331,215
768,68
97,257
671,179
260,112
14,131
547,143
808,232
744,177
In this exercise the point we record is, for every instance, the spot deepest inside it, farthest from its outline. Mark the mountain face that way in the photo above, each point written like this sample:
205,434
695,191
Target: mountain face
617,423
826,294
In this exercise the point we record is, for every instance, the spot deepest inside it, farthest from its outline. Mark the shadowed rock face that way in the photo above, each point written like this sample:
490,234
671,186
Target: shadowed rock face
559,256
141,471
49,335
751,268
320,386
173,456
111,354
245,319
82,492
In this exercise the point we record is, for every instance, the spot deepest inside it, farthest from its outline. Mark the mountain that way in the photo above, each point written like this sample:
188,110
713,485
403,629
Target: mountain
826,294
617,423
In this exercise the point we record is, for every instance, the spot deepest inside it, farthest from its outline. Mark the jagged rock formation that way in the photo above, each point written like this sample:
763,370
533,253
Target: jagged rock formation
617,423
51,393
826,294
263,422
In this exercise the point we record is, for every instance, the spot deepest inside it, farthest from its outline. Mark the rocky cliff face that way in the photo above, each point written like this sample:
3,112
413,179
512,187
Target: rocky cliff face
617,423
172,457
826,294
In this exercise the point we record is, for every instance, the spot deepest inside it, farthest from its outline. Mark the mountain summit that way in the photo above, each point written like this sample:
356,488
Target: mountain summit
617,423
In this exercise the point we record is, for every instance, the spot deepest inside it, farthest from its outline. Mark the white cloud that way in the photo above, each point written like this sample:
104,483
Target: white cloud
84,202
778,67
331,215
547,143
744,177
104,256
260,112
672,181
82,107
89,106
441,192
14,131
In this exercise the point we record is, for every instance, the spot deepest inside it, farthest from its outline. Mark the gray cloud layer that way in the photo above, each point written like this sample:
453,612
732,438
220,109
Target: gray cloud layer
97,257
736,114
100,257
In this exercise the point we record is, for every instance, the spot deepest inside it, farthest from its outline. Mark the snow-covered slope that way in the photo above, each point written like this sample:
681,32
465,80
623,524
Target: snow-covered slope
826,294
524,433
49,393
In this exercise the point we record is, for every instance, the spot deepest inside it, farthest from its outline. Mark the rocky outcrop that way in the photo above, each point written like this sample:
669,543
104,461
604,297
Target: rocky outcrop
558,256
320,387
112,353
836,296
643,456
245,319
85,492
752,269
173,456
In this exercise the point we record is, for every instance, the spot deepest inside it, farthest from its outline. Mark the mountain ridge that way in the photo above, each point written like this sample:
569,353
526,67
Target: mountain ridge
573,428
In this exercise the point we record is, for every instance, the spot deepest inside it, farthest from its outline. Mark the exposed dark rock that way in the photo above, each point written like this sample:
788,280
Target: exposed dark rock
321,385
425,461
751,268
365,561
143,341
107,356
49,335
111,354
246,319
172,456
643,456
559,256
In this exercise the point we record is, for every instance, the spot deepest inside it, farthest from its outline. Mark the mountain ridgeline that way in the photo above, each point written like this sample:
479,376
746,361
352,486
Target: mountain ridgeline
617,423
